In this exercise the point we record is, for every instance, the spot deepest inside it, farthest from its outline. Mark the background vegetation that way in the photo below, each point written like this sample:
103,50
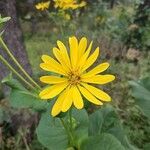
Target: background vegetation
122,30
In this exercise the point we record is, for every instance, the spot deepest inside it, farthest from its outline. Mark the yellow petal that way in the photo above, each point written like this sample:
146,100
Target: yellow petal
82,4
64,52
97,92
59,57
51,63
47,4
99,79
51,68
85,56
58,105
73,42
77,98
67,100
53,91
89,96
49,60
91,59
73,6
82,46
38,6
56,53
98,69
52,79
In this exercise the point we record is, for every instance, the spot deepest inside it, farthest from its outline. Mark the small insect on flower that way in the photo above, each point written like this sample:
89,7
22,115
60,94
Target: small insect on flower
74,81
66,4
42,6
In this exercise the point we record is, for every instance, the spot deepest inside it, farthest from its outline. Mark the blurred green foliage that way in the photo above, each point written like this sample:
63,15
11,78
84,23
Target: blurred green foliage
141,92
114,29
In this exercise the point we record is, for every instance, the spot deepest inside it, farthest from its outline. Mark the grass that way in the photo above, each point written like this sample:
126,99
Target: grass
36,48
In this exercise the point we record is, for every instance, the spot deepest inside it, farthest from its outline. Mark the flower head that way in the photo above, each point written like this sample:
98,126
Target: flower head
67,17
66,4
74,82
43,5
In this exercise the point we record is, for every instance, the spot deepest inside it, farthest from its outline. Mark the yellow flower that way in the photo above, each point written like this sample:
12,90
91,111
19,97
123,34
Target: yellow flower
67,17
74,81
43,5
66,4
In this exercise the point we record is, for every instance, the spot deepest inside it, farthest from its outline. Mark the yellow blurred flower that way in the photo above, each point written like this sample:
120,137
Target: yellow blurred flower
43,5
66,4
67,17
74,81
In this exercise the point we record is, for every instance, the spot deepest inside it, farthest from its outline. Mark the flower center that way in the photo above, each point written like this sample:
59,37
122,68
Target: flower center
74,78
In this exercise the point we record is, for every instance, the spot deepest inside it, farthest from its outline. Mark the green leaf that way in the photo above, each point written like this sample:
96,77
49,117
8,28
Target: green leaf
25,99
96,122
145,82
105,120
141,92
146,146
20,97
5,19
12,83
81,127
102,142
52,134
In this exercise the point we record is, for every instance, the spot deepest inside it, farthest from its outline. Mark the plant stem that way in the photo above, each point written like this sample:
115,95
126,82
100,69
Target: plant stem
15,72
17,63
70,118
59,26
71,125
68,131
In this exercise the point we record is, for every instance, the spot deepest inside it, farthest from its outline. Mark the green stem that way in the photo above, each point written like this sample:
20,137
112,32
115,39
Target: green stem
71,125
15,72
70,118
60,26
17,63
68,132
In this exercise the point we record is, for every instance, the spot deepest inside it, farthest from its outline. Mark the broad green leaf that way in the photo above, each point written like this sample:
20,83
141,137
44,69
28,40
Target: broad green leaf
145,82
146,146
102,142
96,123
81,125
52,134
20,97
25,99
105,120
12,83
141,92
